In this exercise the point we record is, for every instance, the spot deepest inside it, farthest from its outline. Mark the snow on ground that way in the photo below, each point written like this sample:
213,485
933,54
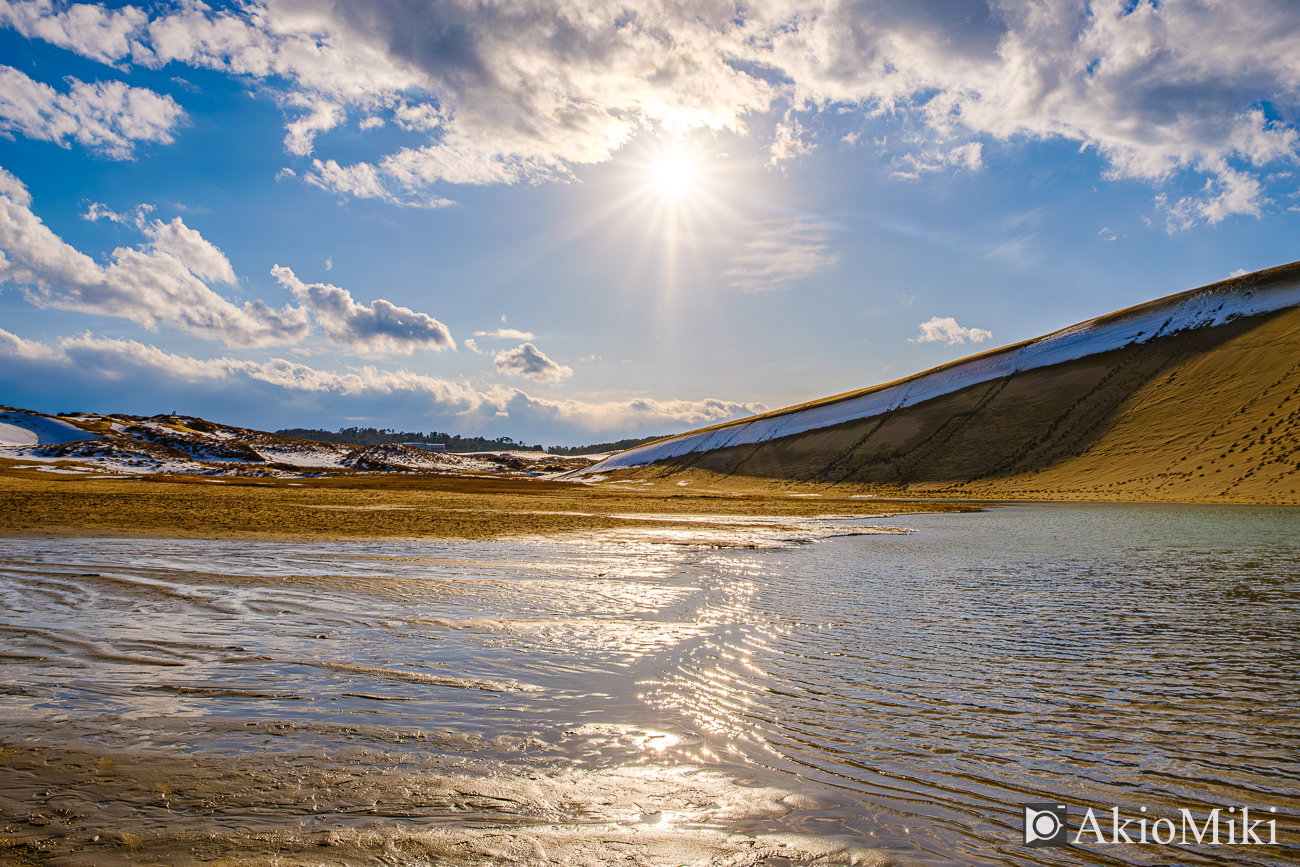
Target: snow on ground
12,435
181,444
302,458
1199,308
18,428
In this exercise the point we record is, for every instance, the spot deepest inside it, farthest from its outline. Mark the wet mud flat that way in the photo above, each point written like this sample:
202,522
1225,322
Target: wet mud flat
709,689
278,703
363,796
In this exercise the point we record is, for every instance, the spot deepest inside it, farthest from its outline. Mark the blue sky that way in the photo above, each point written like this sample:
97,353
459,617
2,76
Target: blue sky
566,223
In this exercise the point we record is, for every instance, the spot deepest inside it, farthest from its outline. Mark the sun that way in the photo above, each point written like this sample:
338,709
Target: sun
674,173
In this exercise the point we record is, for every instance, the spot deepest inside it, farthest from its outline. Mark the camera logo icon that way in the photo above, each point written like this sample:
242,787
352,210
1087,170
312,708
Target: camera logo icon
1045,825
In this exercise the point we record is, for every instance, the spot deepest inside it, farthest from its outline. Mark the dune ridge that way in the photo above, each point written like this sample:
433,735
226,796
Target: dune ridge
1193,397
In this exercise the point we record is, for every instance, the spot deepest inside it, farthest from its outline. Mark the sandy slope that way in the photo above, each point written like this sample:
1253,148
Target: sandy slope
1204,414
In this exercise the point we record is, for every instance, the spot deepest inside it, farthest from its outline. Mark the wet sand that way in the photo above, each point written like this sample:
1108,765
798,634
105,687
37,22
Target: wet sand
402,805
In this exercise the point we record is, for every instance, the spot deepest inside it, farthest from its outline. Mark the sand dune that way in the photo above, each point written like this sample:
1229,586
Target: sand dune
1191,398
90,444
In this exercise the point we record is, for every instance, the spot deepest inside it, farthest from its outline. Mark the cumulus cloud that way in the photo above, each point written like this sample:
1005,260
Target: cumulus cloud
528,361
108,117
130,362
162,282
380,328
523,92
17,349
946,329
166,282
93,31
782,253
508,93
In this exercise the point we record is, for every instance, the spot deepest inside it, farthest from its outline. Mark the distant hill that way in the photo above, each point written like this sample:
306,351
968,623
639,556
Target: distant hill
1192,397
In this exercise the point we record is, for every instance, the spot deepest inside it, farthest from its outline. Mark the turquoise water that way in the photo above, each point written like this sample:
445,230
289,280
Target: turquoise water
739,694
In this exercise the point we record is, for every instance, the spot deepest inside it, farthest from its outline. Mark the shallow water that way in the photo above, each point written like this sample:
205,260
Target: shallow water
737,694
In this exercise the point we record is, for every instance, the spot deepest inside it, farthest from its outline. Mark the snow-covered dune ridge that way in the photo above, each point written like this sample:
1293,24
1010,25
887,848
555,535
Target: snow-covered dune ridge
1219,303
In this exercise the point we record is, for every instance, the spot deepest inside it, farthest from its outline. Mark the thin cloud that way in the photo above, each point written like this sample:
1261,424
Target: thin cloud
506,333
780,255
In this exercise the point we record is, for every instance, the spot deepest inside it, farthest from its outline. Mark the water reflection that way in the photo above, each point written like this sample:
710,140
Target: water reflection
728,694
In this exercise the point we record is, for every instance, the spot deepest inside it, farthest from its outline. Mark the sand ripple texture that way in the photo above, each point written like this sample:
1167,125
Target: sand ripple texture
815,692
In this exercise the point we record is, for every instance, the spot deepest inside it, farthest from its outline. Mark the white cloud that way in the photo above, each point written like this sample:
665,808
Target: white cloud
528,361
131,364
300,134
946,329
162,282
106,116
99,211
365,182
789,140
380,328
523,92
91,31
783,252
506,333
16,348
1229,192
507,92
166,282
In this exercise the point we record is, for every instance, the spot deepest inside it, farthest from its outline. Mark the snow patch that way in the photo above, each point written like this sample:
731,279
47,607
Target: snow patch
18,428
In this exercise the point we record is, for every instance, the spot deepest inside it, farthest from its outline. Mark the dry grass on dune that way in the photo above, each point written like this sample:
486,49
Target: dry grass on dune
1207,415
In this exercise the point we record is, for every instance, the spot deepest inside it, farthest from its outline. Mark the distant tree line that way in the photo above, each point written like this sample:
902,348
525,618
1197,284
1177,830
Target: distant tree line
369,436
597,448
